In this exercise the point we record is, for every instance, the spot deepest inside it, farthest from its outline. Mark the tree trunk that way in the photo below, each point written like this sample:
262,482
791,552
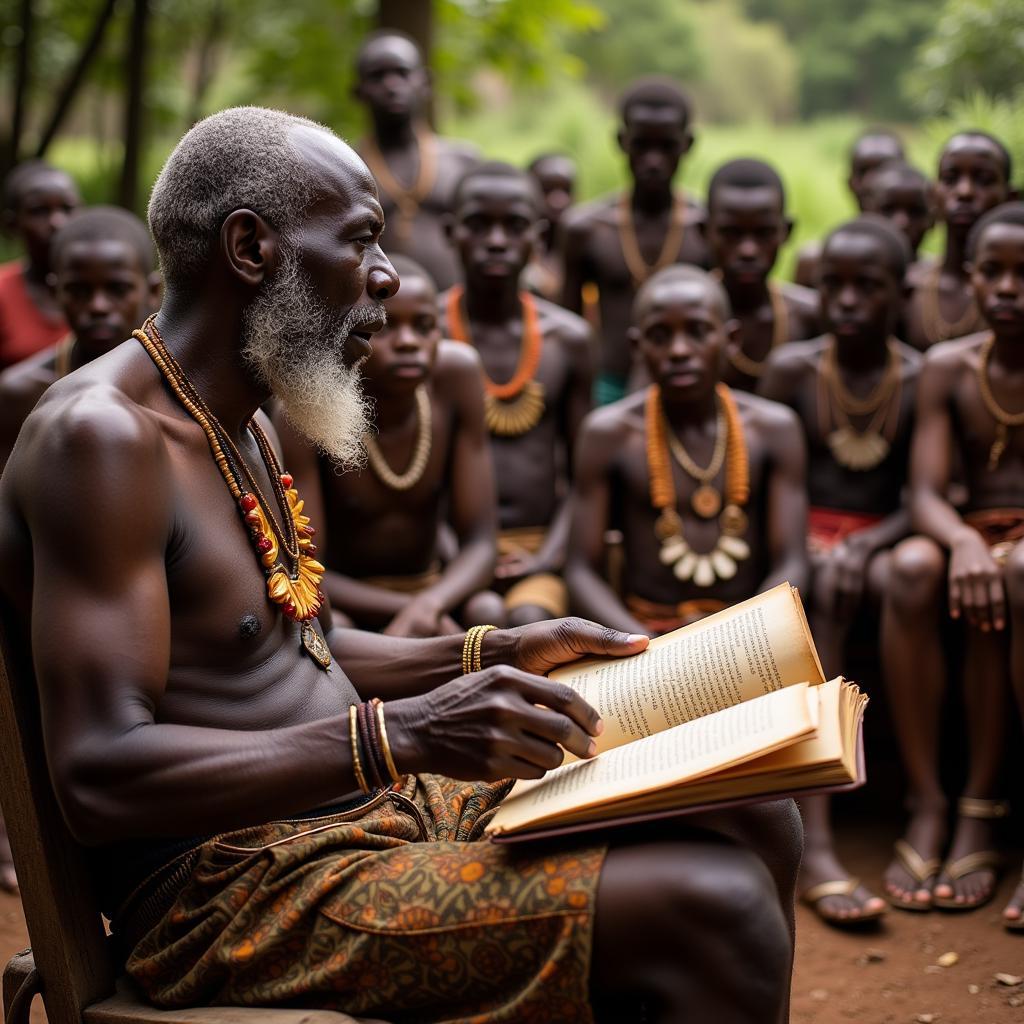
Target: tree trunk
135,63
76,75
206,62
22,69
415,18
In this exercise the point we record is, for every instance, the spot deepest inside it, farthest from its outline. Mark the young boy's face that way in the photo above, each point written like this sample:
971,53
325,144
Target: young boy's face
103,291
904,201
860,291
495,227
745,229
404,351
997,276
972,180
44,206
680,333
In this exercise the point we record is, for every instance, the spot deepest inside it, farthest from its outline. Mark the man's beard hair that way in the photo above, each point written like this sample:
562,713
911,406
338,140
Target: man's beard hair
294,344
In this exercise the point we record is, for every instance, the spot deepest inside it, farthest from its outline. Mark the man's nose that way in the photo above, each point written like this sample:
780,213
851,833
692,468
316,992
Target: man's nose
848,297
681,345
497,237
99,302
747,248
406,339
382,280
965,185
1008,284
58,218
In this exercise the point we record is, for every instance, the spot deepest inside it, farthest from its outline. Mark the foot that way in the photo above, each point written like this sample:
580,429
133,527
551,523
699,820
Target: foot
968,886
925,836
1013,914
853,906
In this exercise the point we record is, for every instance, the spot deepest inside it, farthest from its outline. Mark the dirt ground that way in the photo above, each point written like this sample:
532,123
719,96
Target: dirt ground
886,976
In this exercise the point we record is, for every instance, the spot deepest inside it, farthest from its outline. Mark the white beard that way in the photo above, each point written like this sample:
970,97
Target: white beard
294,344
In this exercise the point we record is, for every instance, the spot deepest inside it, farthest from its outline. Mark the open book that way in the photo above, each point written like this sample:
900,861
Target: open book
727,710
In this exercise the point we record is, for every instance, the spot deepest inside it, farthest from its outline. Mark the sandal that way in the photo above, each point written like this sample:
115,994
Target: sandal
980,860
840,887
919,869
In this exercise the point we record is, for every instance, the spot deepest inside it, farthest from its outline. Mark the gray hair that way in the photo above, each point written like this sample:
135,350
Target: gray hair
241,158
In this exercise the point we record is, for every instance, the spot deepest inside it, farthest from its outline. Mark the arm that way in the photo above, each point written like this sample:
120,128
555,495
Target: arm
101,643
573,246
787,502
975,581
579,346
589,504
364,601
472,507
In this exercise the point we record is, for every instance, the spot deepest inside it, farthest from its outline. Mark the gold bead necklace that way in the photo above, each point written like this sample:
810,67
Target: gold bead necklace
413,473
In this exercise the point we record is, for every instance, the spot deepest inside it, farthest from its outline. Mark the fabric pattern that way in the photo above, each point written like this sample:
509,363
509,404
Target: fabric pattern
398,909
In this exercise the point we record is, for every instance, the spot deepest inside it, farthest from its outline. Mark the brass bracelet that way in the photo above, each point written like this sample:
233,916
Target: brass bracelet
388,759
357,766
467,649
478,646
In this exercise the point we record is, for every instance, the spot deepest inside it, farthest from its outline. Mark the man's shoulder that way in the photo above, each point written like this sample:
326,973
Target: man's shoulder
581,218
802,298
614,423
456,363
764,415
459,151
955,355
796,358
562,324
27,379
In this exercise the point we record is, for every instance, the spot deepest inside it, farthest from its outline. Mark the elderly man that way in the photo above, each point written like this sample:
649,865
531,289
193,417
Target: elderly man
271,833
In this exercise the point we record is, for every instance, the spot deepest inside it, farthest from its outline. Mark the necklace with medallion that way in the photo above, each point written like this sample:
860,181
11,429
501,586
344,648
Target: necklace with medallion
720,563
639,269
933,324
859,450
413,473
285,553
515,407
1005,421
408,199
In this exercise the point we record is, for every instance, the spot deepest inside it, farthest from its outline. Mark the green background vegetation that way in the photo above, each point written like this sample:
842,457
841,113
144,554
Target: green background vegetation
790,81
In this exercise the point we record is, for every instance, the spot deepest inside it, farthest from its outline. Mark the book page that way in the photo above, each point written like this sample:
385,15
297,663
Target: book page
753,648
676,755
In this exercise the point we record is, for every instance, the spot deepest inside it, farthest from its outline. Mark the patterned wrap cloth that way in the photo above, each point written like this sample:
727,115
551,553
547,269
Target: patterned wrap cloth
1001,528
397,909
829,527
663,618
543,589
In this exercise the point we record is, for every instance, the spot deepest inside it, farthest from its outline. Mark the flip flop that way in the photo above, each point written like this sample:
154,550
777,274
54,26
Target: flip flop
919,869
980,860
839,887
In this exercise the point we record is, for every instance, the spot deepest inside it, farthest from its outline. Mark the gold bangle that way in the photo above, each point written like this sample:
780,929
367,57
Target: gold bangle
357,766
388,759
467,649
478,646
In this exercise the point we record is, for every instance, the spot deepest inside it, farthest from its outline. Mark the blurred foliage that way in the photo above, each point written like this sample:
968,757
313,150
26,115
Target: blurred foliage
852,54
976,47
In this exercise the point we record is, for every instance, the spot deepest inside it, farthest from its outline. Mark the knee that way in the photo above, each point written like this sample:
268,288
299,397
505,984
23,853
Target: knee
484,607
917,572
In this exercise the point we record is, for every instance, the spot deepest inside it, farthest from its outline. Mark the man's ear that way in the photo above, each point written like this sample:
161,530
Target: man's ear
51,283
733,331
687,141
620,138
634,336
787,229
249,245
448,225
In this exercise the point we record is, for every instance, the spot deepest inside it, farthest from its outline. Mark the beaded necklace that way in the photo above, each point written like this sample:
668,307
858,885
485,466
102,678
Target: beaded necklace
515,407
780,335
639,268
294,587
1004,420
407,200
421,453
704,568
934,325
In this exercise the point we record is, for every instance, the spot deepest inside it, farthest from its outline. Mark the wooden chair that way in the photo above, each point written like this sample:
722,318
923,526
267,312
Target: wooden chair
72,963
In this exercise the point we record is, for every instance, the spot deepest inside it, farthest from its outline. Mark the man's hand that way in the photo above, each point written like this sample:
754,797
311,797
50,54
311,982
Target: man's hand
542,646
420,617
516,564
495,724
844,571
976,583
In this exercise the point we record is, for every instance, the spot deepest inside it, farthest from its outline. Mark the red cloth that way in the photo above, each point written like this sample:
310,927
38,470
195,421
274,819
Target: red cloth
827,527
24,330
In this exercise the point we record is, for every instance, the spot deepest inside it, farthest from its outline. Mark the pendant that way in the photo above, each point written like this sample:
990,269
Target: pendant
315,645
706,502
668,524
515,416
672,550
733,521
859,452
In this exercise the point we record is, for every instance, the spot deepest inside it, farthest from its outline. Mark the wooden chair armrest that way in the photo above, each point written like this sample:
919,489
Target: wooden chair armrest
22,983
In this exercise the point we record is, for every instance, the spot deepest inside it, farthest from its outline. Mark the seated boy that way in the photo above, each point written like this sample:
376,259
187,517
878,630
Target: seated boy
38,199
974,176
853,390
429,459
972,403
537,376
746,225
104,285
705,484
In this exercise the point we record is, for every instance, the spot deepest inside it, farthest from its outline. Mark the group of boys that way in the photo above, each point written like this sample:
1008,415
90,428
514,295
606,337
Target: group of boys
853,434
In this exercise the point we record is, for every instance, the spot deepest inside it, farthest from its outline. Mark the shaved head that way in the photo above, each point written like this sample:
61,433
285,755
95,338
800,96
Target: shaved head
664,285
